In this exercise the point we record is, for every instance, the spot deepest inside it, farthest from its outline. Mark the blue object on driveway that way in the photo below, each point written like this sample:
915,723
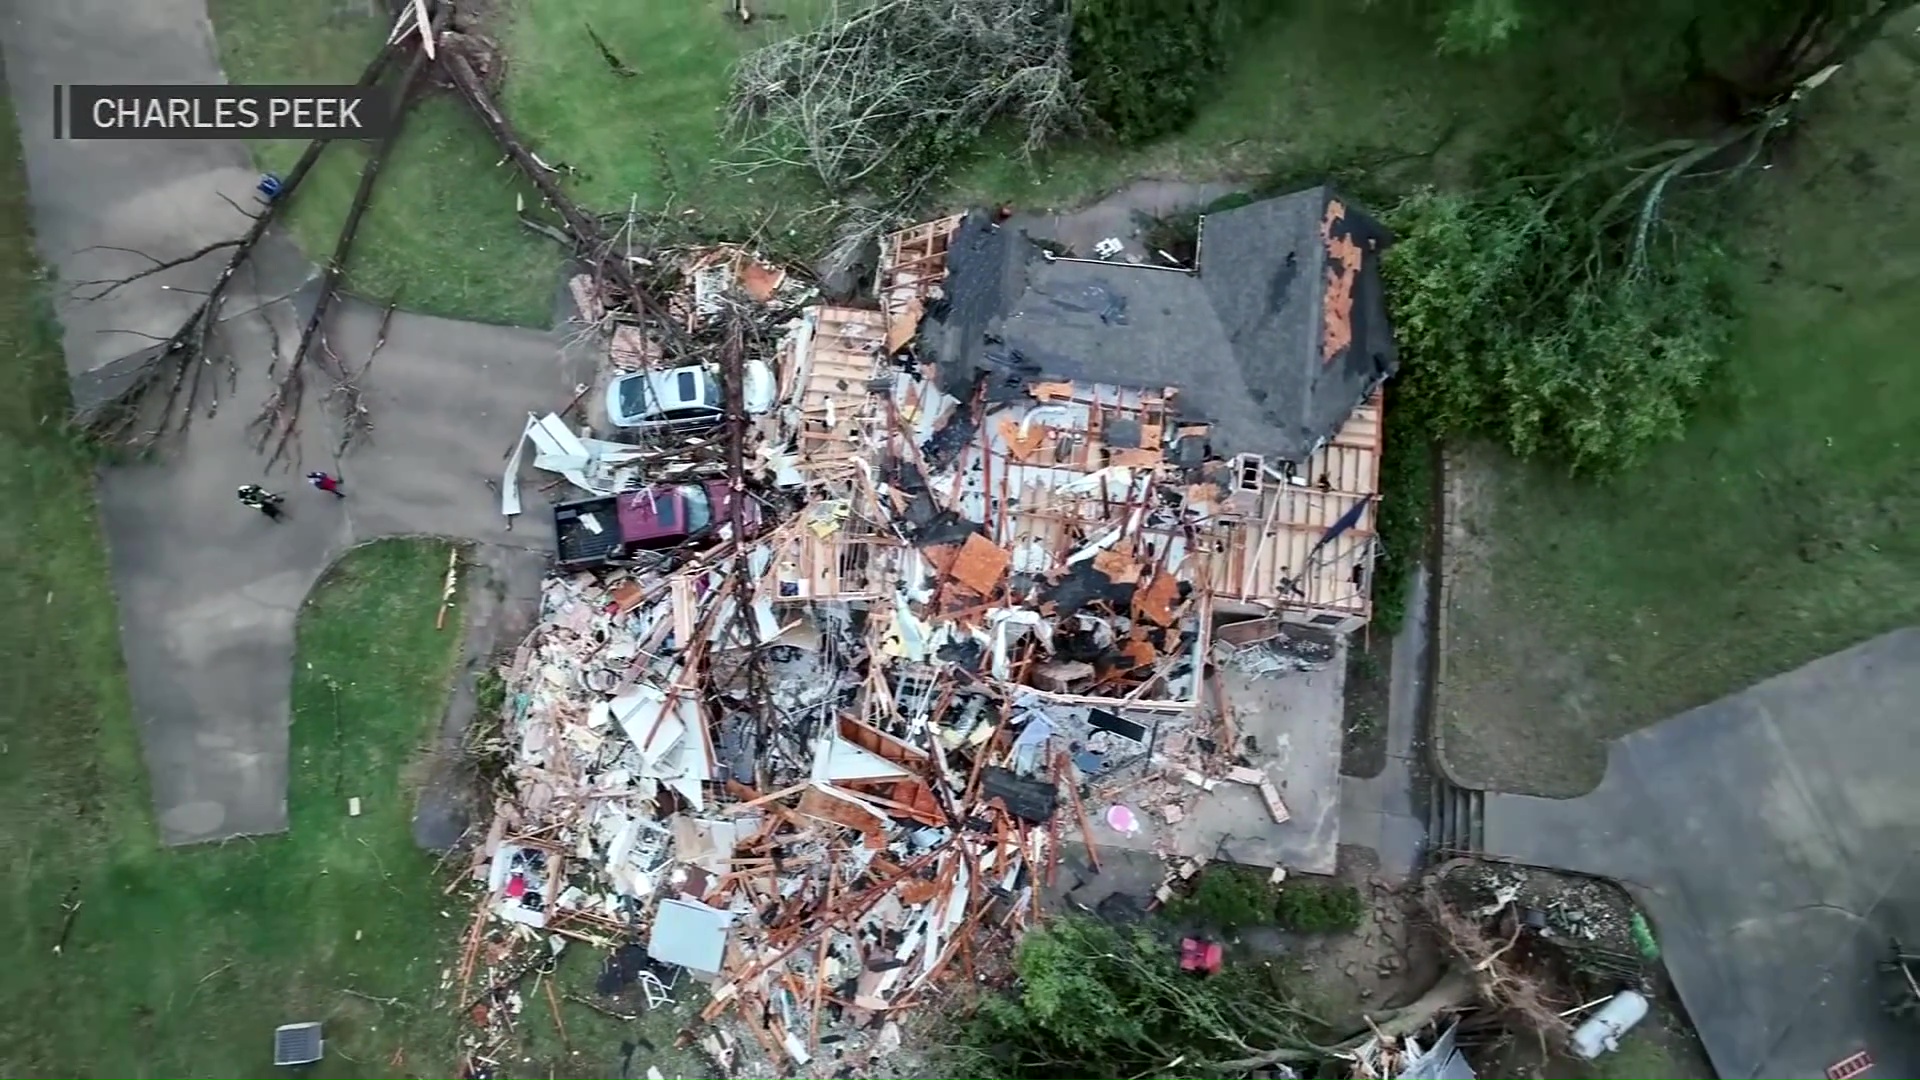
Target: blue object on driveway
269,187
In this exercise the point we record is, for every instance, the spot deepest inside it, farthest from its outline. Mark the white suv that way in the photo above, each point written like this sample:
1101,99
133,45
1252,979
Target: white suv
683,399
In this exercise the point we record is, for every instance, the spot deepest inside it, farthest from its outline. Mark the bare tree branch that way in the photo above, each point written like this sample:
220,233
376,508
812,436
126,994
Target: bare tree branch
189,345
112,285
902,78
589,239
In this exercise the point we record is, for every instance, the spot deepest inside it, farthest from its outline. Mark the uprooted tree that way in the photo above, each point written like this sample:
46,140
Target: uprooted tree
1098,1000
878,99
882,96
171,383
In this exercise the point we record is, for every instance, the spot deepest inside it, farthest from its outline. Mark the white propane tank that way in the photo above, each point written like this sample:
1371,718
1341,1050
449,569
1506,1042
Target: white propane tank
1601,1032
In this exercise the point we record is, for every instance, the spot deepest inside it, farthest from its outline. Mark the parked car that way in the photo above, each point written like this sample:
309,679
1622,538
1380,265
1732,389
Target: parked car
683,399
610,528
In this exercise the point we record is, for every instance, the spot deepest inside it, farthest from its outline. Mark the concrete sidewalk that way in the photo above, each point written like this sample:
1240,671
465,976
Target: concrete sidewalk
209,591
162,198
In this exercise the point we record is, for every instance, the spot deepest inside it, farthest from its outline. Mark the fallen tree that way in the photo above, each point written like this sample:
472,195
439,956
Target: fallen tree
279,418
590,241
891,89
181,359
1826,37
1521,997
1097,1000
167,385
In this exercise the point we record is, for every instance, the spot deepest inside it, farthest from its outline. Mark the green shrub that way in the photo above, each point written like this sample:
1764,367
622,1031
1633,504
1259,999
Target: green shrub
1317,907
1227,898
1520,319
1146,63
489,693
1406,504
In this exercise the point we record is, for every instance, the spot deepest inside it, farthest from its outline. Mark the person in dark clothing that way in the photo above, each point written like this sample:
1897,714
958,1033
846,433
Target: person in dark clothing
326,482
255,497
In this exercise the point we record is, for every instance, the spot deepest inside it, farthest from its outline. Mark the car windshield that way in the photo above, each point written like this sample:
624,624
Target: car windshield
687,386
635,402
699,507
713,393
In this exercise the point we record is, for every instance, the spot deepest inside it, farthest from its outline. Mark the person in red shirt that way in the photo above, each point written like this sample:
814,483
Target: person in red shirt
326,482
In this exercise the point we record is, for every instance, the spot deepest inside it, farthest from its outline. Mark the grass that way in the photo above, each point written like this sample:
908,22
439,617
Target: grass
653,138
440,234
1310,86
181,962
1639,1056
1782,529
1313,86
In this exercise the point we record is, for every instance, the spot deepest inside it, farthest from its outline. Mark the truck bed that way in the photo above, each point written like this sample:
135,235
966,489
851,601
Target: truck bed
577,544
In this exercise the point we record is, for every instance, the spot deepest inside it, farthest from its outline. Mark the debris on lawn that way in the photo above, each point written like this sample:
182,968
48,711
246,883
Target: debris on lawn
1384,1056
823,748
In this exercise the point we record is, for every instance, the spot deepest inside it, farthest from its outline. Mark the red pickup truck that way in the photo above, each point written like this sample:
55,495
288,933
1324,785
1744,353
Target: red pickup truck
609,528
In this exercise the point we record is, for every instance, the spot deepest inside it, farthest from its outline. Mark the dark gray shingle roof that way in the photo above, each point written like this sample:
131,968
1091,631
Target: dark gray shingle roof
1278,336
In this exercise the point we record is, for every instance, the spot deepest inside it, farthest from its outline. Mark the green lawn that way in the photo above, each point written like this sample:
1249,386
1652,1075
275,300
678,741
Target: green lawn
654,138
1309,85
440,234
181,962
1312,85
1785,527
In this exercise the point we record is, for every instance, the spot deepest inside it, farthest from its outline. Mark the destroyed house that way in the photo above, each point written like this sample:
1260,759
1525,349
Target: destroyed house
803,771
1248,387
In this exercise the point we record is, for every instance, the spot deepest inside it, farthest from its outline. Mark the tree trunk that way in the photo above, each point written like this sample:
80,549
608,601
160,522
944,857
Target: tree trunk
280,417
1454,991
188,346
375,68
583,227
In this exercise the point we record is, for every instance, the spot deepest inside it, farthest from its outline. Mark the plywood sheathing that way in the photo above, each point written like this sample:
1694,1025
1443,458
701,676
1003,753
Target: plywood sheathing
835,374
980,565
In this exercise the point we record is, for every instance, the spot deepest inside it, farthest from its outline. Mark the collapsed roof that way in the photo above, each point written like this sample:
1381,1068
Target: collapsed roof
1277,335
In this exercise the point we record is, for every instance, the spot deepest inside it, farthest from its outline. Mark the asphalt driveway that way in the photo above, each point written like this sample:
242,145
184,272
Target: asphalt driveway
1771,838
208,591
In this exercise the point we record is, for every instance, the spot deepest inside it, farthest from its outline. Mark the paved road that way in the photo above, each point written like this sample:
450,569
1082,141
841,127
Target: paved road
1771,838
209,591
